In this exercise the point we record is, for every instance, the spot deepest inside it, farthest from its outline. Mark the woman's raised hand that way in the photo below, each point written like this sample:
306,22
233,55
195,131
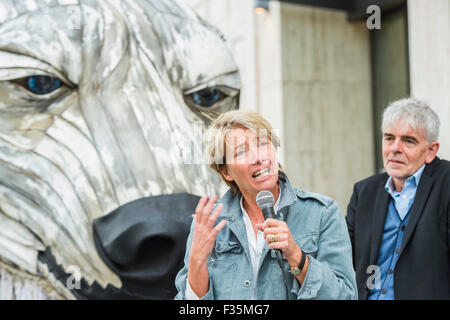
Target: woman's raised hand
203,239
205,233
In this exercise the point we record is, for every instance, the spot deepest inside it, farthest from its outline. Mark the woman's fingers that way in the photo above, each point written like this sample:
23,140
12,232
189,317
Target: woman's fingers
272,231
276,233
275,237
215,231
213,217
203,209
272,223
205,233
281,230
281,245
199,209
207,209
204,219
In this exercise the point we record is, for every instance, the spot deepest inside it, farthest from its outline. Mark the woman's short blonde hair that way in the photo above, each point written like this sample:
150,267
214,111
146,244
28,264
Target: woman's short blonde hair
216,137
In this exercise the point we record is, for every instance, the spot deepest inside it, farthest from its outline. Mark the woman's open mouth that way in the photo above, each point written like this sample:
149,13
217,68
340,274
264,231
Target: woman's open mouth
261,174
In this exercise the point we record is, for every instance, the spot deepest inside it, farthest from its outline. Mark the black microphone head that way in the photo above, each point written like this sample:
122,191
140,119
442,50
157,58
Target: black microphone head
265,199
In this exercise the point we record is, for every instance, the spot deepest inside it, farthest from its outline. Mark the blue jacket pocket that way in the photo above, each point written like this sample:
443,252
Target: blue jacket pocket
228,246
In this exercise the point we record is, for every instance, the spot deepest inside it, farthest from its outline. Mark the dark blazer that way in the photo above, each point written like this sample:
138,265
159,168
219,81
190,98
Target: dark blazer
423,267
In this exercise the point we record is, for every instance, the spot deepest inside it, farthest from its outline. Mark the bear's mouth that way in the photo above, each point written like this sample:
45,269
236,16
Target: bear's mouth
143,242
82,290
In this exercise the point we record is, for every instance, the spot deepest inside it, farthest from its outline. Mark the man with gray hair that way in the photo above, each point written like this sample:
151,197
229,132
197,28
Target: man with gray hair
399,221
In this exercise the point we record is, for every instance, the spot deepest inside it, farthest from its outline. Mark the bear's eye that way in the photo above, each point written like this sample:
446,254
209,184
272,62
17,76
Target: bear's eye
211,98
207,97
41,84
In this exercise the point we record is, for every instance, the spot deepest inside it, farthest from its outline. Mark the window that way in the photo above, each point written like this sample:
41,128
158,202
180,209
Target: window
390,68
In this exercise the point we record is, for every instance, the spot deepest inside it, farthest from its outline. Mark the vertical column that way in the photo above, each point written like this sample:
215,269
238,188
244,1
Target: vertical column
327,100
268,69
429,52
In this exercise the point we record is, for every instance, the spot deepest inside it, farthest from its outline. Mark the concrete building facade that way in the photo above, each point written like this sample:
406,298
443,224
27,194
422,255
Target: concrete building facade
310,71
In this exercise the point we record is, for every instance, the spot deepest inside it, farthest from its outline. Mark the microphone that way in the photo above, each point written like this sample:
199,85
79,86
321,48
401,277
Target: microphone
265,200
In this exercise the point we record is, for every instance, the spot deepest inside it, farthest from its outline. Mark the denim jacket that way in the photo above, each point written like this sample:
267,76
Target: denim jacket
317,226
